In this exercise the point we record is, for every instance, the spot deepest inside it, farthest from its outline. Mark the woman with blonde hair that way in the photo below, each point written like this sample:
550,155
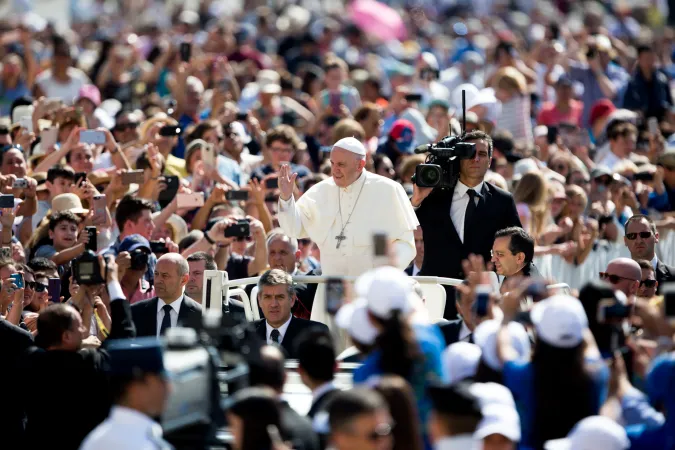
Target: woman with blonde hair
531,197
511,90
577,228
348,128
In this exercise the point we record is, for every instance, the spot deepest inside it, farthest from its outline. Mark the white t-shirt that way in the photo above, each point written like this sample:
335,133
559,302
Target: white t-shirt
67,92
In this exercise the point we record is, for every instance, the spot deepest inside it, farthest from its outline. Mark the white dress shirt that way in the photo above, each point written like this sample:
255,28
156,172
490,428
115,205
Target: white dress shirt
655,261
282,330
415,270
464,333
125,428
175,308
460,200
461,442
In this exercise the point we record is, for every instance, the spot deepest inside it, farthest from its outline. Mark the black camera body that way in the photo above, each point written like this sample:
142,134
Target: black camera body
139,259
441,168
240,229
87,270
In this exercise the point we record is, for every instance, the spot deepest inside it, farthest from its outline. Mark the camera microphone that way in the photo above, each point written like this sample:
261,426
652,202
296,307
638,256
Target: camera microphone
422,148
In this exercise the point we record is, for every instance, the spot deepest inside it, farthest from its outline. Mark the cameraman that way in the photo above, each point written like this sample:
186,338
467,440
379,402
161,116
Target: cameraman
453,226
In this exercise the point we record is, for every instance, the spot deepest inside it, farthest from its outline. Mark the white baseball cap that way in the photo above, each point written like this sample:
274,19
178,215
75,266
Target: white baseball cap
592,433
499,419
485,336
492,394
353,317
386,289
460,360
351,144
560,321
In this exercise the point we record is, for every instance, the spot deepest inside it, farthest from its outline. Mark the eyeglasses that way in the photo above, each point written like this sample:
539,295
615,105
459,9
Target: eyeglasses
381,431
612,278
282,149
648,283
642,234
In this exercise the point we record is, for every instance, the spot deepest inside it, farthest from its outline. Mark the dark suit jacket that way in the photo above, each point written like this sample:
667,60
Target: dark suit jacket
409,270
321,402
443,249
295,329
664,274
65,415
305,294
145,315
450,330
297,429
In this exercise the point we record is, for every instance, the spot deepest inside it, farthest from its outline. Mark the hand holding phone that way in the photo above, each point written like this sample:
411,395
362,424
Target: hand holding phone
17,278
482,303
133,176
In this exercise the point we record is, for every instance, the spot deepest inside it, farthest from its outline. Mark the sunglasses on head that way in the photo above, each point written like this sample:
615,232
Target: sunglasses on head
613,278
648,283
642,234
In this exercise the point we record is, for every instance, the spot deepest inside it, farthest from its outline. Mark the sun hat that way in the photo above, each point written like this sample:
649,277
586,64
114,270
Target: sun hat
68,202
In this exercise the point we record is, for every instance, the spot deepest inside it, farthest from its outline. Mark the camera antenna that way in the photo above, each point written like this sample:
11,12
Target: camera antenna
463,112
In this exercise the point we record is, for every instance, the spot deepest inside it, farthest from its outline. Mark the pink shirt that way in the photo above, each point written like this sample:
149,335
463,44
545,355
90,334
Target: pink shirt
143,291
551,116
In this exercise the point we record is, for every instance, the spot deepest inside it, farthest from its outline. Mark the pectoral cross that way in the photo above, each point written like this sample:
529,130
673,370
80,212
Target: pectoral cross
340,237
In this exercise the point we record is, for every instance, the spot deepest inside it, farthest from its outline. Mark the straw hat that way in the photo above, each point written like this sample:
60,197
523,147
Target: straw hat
177,224
68,202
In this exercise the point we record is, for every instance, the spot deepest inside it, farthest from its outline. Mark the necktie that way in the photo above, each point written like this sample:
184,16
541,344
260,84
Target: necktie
470,211
166,321
275,335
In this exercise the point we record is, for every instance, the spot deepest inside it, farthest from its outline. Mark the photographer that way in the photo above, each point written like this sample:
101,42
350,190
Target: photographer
132,261
465,220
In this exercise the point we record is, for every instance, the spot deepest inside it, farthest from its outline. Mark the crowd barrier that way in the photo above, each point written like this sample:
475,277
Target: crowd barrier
556,268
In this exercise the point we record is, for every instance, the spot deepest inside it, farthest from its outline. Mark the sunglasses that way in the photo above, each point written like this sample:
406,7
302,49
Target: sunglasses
242,239
612,278
35,286
648,283
642,234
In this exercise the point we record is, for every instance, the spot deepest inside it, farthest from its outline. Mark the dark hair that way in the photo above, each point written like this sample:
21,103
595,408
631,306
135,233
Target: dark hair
619,129
397,344
258,408
60,172
70,153
52,323
563,391
644,264
62,216
521,241
346,406
42,265
209,262
142,162
401,402
478,135
316,355
638,217
285,134
25,268
276,277
643,48
200,130
192,237
130,209
267,368
486,374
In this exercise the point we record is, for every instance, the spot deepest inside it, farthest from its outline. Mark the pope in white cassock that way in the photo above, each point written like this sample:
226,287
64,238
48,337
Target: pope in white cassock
342,213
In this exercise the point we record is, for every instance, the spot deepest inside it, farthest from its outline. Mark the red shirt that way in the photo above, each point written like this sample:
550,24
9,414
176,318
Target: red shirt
551,116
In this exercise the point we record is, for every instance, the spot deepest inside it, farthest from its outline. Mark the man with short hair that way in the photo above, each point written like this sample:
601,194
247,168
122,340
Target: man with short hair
44,266
622,142
648,282
359,419
276,296
623,274
140,389
171,307
316,367
641,238
512,253
268,370
464,220
133,263
199,262
415,267
455,416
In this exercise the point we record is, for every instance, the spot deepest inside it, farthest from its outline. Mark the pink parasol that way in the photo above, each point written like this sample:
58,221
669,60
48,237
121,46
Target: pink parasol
377,19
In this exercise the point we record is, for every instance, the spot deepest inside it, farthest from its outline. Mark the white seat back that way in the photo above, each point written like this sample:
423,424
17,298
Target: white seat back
254,303
434,300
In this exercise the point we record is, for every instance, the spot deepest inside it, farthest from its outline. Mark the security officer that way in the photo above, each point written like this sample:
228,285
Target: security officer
140,389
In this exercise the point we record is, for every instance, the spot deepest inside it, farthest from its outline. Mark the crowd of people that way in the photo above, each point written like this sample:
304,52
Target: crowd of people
149,142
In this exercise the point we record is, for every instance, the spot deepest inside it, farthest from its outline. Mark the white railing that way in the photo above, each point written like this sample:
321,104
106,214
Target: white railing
556,268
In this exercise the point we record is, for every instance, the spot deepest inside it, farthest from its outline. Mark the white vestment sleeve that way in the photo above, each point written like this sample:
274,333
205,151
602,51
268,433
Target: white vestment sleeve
289,218
405,249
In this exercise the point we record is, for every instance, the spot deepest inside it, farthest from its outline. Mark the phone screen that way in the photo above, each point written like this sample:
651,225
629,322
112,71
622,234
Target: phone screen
380,244
237,195
6,201
54,290
18,280
334,295
167,195
272,183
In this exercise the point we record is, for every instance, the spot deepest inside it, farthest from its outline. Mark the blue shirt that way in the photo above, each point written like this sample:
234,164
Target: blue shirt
581,73
431,343
519,378
7,96
230,169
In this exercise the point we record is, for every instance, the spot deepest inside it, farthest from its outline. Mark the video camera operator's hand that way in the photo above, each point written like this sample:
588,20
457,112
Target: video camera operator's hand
419,194
286,182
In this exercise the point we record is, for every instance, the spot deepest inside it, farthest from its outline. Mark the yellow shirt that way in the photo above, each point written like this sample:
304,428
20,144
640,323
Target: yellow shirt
175,166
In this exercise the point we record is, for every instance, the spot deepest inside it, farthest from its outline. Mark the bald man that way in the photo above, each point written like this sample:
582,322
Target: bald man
171,307
624,274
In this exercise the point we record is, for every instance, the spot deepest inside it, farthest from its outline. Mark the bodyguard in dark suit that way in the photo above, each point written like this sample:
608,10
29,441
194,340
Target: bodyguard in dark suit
316,367
512,253
641,238
78,399
268,370
171,307
463,220
458,330
276,298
